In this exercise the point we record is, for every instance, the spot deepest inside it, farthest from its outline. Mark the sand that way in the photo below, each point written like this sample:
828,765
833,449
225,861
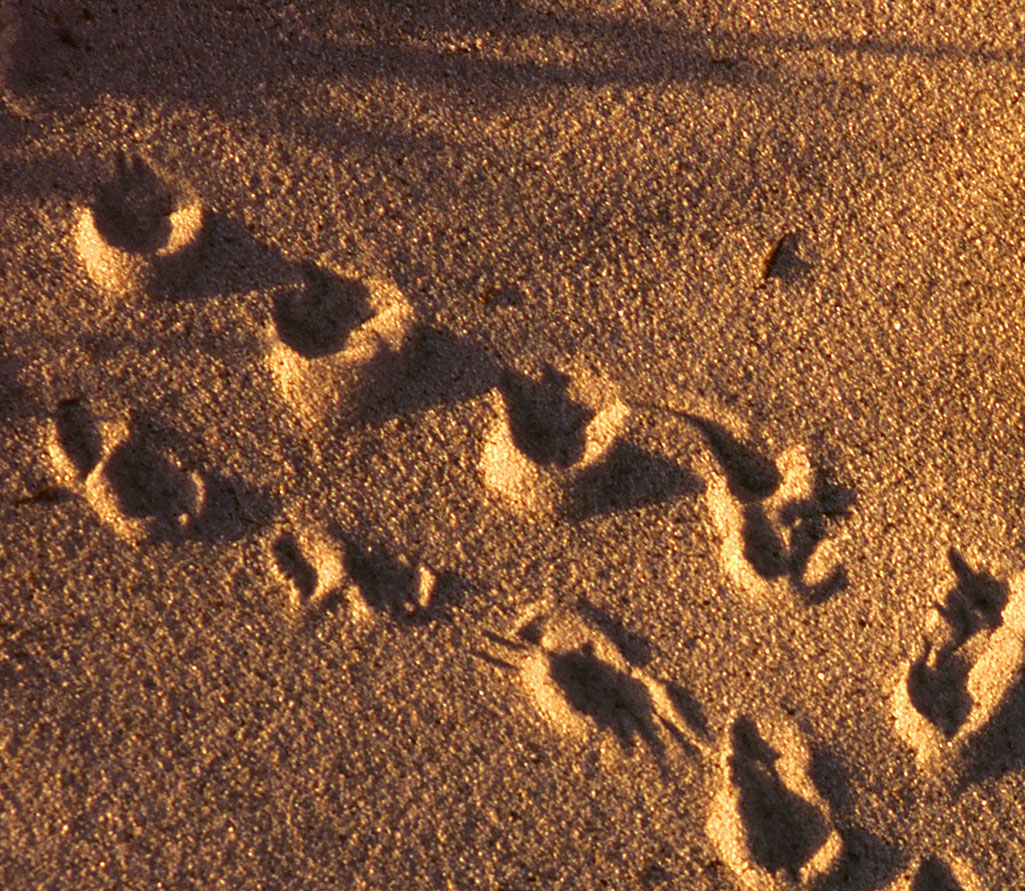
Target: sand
512,445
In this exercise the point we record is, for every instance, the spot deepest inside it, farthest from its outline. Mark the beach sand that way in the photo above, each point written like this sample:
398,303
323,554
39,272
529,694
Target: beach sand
512,445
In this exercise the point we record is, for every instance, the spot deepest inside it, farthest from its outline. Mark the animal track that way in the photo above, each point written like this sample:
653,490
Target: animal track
389,584
772,520
768,822
324,570
545,435
312,566
139,491
972,652
77,439
580,682
318,320
336,342
143,230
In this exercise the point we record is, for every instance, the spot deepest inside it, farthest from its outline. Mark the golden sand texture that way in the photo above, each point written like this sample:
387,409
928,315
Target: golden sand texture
538,444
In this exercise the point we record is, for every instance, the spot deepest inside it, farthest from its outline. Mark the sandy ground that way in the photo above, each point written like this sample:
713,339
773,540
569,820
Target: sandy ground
512,445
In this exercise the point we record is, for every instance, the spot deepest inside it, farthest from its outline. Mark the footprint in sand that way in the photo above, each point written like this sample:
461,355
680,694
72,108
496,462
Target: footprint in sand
936,874
325,570
142,232
582,683
973,649
772,518
768,822
336,341
546,435
311,565
139,491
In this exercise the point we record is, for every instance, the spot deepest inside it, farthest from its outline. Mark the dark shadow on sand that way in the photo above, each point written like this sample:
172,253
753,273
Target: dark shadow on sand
70,50
938,679
783,830
613,700
633,647
628,478
934,875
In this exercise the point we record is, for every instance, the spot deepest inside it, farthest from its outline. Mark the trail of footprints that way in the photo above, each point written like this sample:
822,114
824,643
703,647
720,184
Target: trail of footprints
336,342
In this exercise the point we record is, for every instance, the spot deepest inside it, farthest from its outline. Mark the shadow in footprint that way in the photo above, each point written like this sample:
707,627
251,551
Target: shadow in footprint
783,830
629,478
867,863
384,582
450,592
688,708
145,484
935,875
976,602
77,435
938,679
389,586
937,687
294,566
778,546
546,425
133,210
317,321
613,700
763,546
808,520
750,476
999,748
